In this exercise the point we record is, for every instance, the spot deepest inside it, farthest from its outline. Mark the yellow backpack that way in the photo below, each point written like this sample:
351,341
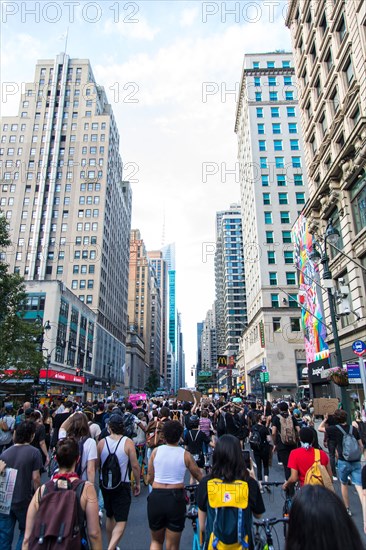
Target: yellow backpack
317,474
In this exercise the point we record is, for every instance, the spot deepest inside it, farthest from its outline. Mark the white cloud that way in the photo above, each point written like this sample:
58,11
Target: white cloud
141,30
189,16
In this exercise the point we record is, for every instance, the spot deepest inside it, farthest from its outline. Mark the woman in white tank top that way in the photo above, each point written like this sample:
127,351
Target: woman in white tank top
166,504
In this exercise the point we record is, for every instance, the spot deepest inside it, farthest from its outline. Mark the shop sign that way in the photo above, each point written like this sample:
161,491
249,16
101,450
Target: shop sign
354,375
63,376
319,371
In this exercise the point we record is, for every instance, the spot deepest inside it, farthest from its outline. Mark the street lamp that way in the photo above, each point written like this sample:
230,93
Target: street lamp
331,235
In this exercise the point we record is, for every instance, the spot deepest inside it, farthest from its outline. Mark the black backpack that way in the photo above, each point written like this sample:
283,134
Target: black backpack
111,476
255,439
129,425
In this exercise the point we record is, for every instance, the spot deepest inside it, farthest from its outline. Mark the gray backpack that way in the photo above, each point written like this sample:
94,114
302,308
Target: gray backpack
350,447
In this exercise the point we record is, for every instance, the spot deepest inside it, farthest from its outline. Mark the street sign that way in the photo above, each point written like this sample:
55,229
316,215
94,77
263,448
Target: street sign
359,347
204,373
264,377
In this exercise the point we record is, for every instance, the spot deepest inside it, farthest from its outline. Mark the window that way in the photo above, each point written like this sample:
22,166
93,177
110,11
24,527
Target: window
255,64
288,257
280,162
276,324
323,23
292,127
296,162
278,145
272,81
257,81
290,111
258,96
294,145
265,180
259,112
260,128
298,179
286,237
273,278
355,117
276,128
283,198
74,284
293,300
281,180
269,237
271,256
270,64
341,29
295,324
285,64
323,123
275,301
266,198
262,145
348,71
275,112
289,95
285,217
334,98
287,80
358,203
329,60
268,218
273,96
317,87
290,278
300,198
263,162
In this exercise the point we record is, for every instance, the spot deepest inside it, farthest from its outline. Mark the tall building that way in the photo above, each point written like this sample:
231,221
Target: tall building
231,314
169,256
208,342
156,314
273,193
329,45
160,268
63,192
199,347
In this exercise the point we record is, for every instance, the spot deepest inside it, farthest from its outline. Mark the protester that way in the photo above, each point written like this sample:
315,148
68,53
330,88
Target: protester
166,503
39,440
28,461
319,521
47,421
67,455
77,426
285,433
117,499
229,467
7,424
194,441
260,445
58,420
94,428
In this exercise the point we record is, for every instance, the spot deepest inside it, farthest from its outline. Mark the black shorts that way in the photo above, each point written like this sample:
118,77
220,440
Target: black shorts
117,502
166,509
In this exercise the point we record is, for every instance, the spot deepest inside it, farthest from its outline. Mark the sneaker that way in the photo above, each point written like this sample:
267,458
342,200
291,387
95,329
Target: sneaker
349,512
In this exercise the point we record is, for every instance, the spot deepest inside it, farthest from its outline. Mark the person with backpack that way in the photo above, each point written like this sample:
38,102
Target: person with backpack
131,422
28,461
360,425
73,521
77,426
285,431
349,450
166,505
259,443
194,441
307,464
116,453
221,524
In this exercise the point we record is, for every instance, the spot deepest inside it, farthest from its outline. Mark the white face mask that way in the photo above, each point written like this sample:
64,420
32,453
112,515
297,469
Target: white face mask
305,445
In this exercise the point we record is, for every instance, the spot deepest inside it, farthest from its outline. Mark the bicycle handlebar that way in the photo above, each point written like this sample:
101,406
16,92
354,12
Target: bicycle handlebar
269,522
191,487
273,483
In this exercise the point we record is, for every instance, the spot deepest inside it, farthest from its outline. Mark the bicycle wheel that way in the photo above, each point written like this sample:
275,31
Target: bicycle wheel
144,475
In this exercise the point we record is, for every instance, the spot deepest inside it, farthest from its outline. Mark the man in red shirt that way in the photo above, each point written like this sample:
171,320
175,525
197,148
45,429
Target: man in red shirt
300,460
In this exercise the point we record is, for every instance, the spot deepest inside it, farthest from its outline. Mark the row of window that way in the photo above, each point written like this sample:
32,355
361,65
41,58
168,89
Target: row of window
286,64
283,198
82,284
272,81
291,278
277,128
288,256
284,217
275,112
291,299
295,162
278,144
281,180
273,96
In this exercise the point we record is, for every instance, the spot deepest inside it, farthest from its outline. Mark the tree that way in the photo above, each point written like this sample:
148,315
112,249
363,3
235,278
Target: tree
152,383
19,339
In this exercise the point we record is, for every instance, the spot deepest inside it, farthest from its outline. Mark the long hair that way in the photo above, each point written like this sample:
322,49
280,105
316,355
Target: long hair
79,426
319,521
228,461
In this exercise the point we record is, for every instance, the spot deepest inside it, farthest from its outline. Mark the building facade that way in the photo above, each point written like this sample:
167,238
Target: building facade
62,190
329,45
172,367
273,193
160,268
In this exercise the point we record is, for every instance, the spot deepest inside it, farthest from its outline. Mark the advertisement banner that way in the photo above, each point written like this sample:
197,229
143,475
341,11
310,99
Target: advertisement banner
64,376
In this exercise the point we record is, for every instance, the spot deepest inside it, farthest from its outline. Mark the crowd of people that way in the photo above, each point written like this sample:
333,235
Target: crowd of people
89,453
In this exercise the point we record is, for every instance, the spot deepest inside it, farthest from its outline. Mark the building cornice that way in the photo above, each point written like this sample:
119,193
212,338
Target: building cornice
290,12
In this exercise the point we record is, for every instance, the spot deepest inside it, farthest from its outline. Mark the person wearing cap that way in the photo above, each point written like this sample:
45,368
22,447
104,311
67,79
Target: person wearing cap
94,428
194,440
117,501
7,424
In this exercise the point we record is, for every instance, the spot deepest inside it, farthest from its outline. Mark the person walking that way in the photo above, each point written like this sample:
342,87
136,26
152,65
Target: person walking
194,441
28,461
166,505
117,500
260,445
7,425
285,432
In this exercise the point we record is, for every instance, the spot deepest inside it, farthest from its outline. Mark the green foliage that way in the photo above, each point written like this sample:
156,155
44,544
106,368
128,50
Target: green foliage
153,381
18,338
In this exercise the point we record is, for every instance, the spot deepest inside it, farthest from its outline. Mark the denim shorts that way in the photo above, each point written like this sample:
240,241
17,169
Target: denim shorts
351,469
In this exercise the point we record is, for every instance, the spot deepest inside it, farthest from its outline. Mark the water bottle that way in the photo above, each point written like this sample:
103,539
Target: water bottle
109,479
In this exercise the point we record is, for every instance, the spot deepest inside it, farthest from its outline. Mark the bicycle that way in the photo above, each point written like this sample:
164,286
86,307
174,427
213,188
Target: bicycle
192,514
140,453
266,525
287,501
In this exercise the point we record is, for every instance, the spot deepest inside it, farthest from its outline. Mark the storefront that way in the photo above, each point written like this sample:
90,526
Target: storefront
318,372
62,383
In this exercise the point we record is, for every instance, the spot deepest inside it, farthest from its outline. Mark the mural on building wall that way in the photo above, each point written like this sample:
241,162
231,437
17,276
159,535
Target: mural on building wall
310,296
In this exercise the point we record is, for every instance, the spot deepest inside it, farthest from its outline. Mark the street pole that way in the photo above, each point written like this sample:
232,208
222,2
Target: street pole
363,378
48,366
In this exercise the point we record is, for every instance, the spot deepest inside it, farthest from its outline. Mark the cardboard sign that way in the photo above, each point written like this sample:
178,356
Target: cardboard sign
323,405
187,395
7,485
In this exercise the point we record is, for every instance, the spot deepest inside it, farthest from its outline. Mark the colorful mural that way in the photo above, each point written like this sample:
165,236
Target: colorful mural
310,295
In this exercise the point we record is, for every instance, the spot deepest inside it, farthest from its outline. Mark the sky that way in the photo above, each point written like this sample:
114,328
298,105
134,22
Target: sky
171,70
